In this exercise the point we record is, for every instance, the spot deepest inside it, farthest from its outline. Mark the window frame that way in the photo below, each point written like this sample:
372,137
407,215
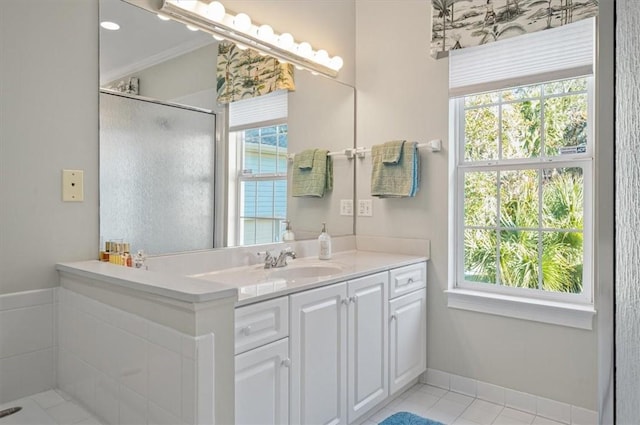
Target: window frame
236,136
525,303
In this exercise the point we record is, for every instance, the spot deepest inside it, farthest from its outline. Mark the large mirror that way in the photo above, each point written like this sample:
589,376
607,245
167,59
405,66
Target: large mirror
176,173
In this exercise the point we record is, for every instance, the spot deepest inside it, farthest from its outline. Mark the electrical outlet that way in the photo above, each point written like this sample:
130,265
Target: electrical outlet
365,208
72,185
346,207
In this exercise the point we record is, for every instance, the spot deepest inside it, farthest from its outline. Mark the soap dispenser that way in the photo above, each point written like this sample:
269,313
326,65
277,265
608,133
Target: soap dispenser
288,235
324,240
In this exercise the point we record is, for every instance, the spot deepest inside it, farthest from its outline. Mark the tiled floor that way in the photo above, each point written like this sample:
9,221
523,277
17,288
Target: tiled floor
48,408
452,408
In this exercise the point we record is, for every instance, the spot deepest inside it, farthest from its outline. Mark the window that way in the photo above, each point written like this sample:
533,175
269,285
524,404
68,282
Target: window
523,183
521,176
257,197
524,157
262,188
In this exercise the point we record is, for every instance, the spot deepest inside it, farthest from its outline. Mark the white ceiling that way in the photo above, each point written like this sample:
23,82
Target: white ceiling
142,40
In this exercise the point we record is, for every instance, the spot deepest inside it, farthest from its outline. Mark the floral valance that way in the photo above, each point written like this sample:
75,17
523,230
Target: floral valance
243,74
456,24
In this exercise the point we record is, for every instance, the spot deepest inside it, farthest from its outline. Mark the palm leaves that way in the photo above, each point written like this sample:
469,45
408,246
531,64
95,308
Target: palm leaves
494,34
538,241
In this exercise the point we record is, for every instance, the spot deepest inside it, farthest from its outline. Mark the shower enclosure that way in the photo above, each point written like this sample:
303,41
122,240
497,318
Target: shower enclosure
156,174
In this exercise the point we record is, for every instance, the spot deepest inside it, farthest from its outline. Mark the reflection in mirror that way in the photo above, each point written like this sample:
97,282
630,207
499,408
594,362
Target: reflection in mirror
230,189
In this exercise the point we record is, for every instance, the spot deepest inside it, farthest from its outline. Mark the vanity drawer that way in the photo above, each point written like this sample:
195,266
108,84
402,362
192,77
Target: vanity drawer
407,279
261,323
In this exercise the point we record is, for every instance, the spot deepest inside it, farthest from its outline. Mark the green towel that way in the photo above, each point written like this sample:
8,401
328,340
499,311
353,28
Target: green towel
314,181
395,180
305,158
392,151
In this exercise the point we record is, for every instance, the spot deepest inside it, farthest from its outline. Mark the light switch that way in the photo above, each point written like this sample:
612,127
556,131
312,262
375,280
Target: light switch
72,185
365,208
346,207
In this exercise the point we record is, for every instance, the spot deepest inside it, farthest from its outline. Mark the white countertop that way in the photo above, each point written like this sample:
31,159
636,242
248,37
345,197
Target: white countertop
249,283
177,287
255,283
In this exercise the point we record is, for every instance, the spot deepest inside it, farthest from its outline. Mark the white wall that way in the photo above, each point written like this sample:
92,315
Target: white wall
402,94
49,121
627,213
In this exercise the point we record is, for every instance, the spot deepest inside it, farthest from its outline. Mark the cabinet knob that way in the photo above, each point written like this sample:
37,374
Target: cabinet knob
354,299
286,362
394,317
246,331
410,280
346,301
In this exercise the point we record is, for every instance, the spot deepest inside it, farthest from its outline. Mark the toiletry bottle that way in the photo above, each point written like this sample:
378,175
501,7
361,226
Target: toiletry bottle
324,241
288,235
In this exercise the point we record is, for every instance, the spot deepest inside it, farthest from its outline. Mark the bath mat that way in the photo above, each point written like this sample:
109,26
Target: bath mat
406,418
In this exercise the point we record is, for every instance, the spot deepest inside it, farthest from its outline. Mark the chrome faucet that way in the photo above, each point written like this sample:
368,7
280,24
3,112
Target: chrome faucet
281,261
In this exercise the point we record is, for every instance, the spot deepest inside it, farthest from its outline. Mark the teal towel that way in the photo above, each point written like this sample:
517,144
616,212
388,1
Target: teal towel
305,158
395,180
392,151
314,181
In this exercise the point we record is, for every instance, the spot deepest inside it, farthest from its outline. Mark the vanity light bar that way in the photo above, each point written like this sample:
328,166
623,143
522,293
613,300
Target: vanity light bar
214,19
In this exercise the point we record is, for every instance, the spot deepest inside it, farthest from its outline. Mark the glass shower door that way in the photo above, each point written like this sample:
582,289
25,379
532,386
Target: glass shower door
156,175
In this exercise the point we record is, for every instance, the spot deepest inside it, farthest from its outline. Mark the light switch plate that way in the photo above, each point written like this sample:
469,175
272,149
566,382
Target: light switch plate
346,207
72,185
365,208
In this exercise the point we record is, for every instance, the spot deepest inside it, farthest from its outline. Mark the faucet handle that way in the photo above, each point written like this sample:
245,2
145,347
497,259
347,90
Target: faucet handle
268,258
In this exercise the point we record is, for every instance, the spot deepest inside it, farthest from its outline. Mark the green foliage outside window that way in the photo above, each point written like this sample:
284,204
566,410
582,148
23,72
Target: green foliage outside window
523,225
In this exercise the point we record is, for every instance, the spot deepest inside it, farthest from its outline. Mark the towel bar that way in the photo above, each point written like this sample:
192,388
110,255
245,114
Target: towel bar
350,153
433,146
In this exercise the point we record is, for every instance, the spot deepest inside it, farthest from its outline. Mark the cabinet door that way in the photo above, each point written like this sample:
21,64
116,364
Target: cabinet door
368,381
318,341
262,385
407,338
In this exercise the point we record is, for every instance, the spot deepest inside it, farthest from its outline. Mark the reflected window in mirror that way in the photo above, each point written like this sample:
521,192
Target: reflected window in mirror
258,142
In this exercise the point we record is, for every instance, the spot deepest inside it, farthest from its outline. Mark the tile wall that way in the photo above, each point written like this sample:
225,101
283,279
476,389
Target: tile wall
126,369
27,343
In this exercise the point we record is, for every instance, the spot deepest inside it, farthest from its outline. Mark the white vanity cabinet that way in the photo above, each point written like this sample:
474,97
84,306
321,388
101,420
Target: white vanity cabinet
262,363
319,356
329,355
407,325
367,335
339,349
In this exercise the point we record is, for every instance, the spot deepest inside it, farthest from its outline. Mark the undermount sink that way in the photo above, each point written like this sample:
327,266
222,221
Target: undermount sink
306,271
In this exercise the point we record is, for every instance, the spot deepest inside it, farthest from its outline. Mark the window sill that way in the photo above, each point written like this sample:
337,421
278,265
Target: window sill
553,312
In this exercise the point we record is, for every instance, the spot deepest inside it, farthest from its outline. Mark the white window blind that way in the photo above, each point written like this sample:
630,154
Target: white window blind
258,110
564,52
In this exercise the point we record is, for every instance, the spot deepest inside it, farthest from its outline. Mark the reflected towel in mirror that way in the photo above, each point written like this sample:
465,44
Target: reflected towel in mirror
312,181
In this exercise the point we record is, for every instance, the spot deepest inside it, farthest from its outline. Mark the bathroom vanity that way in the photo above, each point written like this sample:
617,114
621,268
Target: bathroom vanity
312,342
330,354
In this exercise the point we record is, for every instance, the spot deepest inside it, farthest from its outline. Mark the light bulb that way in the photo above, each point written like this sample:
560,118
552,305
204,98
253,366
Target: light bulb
285,41
192,28
241,46
336,63
217,37
305,50
215,11
321,57
298,67
108,25
163,17
265,32
242,22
